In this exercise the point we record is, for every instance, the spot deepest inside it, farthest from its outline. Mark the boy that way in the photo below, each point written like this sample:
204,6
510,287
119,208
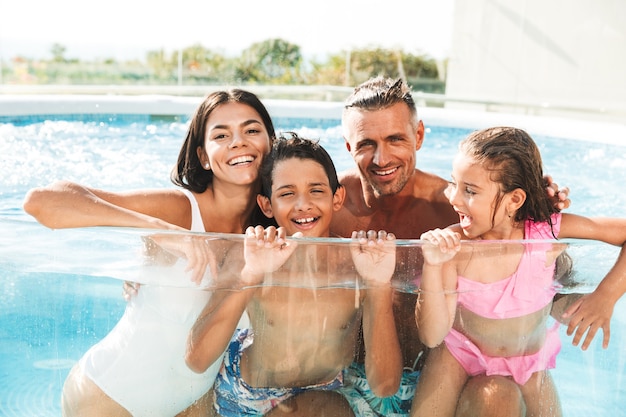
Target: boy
305,320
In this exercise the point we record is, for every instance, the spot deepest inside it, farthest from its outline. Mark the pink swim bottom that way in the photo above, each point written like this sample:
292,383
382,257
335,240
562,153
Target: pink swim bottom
519,367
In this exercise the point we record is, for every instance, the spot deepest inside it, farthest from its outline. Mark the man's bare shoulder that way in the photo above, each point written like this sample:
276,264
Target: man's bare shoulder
349,177
351,181
429,186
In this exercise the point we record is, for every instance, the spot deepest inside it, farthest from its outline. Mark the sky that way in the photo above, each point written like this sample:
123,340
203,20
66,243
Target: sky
127,29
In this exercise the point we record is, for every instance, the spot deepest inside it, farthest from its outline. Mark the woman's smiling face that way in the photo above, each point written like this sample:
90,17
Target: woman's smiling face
236,142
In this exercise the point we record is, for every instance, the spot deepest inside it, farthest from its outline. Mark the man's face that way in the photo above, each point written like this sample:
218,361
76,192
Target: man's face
383,144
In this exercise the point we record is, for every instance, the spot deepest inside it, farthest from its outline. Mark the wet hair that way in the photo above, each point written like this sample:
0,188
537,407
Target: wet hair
289,145
514,161
379,93
188,172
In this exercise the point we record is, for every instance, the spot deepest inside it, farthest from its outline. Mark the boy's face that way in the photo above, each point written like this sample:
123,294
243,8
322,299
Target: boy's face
302,200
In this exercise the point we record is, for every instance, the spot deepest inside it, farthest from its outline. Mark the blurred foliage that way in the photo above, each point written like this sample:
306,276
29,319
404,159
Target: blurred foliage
270,62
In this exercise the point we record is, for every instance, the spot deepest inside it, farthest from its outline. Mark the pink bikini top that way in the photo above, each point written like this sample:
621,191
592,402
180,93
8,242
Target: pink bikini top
529,289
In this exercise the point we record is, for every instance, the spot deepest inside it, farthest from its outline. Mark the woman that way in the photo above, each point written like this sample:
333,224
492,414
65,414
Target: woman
138,368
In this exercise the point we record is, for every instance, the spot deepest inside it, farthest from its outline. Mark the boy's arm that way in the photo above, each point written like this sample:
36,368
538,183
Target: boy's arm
265,250
214,328
383,357
374,256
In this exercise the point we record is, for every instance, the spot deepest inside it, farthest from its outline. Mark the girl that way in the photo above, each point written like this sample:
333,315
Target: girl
138,368
492,315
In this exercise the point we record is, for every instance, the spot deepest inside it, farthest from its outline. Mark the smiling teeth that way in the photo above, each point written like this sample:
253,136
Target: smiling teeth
241,160
307,220
386,172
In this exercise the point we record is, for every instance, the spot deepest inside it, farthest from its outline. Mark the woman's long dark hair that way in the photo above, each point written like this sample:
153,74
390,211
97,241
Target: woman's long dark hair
188,172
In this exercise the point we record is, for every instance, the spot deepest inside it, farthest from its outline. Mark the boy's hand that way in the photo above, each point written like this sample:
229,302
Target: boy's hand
374,255
265,250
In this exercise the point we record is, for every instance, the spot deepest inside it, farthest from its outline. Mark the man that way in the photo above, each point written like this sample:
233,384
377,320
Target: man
386,191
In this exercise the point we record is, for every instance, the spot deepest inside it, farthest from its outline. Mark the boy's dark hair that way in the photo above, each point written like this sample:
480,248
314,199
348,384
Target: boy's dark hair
289,145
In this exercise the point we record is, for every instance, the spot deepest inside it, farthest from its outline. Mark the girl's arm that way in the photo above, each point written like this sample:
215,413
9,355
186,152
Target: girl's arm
65,204
594,311
436,302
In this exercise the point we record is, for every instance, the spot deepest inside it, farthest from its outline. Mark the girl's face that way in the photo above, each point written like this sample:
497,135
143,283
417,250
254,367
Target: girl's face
302,200
236,142
473,196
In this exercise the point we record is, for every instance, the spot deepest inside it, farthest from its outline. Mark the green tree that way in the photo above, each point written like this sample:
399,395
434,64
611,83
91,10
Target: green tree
273,61
331,72
161,64
355,66
202,64
58,52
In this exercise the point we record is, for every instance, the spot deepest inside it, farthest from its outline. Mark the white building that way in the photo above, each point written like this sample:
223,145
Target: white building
540,56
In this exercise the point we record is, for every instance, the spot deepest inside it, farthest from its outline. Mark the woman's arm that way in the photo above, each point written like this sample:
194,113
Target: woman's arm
65,204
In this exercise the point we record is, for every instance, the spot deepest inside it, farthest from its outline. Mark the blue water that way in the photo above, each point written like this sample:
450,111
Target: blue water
56,302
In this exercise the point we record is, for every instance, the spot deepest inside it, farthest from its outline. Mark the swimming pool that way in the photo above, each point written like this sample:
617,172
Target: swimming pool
62,292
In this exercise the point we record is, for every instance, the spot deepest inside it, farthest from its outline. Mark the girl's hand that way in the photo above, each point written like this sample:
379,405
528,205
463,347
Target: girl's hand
588,314
441,246
374,255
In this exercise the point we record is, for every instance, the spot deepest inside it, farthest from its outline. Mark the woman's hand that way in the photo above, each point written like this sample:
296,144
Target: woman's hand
198,250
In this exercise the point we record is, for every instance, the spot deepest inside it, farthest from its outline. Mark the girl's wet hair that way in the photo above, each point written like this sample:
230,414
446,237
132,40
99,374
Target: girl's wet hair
514,161
289,145
188,172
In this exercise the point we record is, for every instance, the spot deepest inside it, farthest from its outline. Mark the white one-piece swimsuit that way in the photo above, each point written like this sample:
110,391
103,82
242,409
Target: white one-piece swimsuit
141,362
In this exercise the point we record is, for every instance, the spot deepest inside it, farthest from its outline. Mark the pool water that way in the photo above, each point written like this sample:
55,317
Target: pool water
61,290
